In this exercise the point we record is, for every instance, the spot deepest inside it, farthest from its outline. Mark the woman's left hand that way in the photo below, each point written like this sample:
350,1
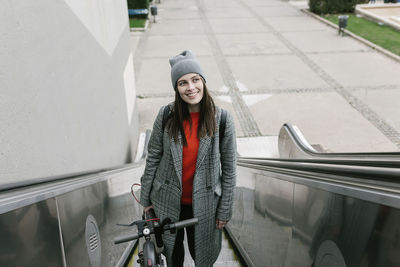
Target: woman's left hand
221,224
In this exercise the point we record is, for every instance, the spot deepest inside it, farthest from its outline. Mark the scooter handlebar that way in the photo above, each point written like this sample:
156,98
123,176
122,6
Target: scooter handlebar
177,225
122,239
185,223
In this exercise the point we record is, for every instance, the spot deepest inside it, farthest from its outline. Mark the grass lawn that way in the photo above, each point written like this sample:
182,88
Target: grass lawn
137,23
383,36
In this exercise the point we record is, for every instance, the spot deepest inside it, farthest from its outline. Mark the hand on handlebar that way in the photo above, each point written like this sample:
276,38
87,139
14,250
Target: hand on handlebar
220,224
146,209
166,225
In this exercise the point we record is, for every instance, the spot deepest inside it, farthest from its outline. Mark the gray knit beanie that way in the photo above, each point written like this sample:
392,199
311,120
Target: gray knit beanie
182,64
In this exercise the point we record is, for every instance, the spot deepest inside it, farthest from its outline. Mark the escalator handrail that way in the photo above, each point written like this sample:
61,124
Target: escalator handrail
64,177
369,162
380,185
305,147
326,166
57,178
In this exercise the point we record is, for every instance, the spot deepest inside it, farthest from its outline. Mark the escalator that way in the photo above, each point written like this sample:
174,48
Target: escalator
302,209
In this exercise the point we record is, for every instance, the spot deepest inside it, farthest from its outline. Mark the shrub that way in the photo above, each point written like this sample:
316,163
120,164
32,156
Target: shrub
334,6
138,4
317,6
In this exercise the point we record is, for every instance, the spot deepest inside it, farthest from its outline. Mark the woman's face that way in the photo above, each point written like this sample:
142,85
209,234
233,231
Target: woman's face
190,88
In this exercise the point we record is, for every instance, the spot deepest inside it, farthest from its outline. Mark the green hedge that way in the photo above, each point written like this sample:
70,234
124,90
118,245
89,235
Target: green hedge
334,6
138,4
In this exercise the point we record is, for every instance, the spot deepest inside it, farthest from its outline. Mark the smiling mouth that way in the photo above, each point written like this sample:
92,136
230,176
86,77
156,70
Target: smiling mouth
192,94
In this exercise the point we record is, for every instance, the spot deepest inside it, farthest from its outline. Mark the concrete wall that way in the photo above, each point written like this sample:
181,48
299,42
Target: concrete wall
67,95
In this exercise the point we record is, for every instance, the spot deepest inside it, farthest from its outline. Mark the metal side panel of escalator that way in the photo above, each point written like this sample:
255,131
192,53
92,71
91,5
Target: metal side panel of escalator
317,209
70,222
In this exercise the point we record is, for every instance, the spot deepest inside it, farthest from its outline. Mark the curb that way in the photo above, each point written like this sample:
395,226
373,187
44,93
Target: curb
358,38
141,29
363,10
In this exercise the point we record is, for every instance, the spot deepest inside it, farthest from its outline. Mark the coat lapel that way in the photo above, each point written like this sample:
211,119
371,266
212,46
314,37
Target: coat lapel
203,149
176,151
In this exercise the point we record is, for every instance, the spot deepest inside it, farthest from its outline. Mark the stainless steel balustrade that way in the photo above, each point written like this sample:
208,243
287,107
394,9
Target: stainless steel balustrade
45,224
317,209
293,144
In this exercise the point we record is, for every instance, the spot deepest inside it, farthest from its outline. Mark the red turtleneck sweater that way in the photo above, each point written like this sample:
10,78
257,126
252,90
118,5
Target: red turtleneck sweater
189,157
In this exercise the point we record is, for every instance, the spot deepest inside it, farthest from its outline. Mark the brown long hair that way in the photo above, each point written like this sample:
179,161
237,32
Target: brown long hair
180,112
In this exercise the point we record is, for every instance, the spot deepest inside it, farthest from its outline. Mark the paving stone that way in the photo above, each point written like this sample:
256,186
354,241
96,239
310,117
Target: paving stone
148,109
210,4
169,45
332,126
181,26
278,11
150,68
213,76
227,12
359,68
226,104
236,25
177,3
295,24
258,3
326,42
260,146
251,44
383,101
178,13
274,72
300,72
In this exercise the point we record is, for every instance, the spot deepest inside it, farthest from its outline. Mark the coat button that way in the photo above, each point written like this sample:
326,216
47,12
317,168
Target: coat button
167,182
209,187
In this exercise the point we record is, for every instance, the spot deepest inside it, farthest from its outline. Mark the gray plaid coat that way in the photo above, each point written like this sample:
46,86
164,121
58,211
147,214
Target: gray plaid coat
213,185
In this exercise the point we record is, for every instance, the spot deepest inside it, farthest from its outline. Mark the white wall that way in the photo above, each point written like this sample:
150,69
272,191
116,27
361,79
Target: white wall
66,70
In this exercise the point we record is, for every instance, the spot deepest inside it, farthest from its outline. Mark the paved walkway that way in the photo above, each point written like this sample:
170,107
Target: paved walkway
269,63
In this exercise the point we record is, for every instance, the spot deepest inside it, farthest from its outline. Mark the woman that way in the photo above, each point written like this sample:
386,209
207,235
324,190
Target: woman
188,172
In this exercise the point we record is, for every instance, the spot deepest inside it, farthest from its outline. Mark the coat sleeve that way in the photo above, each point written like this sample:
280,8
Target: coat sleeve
154,154
228,163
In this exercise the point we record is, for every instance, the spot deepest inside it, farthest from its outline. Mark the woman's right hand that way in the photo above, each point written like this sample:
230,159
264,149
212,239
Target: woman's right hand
146,209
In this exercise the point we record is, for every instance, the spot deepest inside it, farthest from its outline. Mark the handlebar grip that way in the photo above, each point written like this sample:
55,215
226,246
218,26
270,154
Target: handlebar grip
122,239
186,223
